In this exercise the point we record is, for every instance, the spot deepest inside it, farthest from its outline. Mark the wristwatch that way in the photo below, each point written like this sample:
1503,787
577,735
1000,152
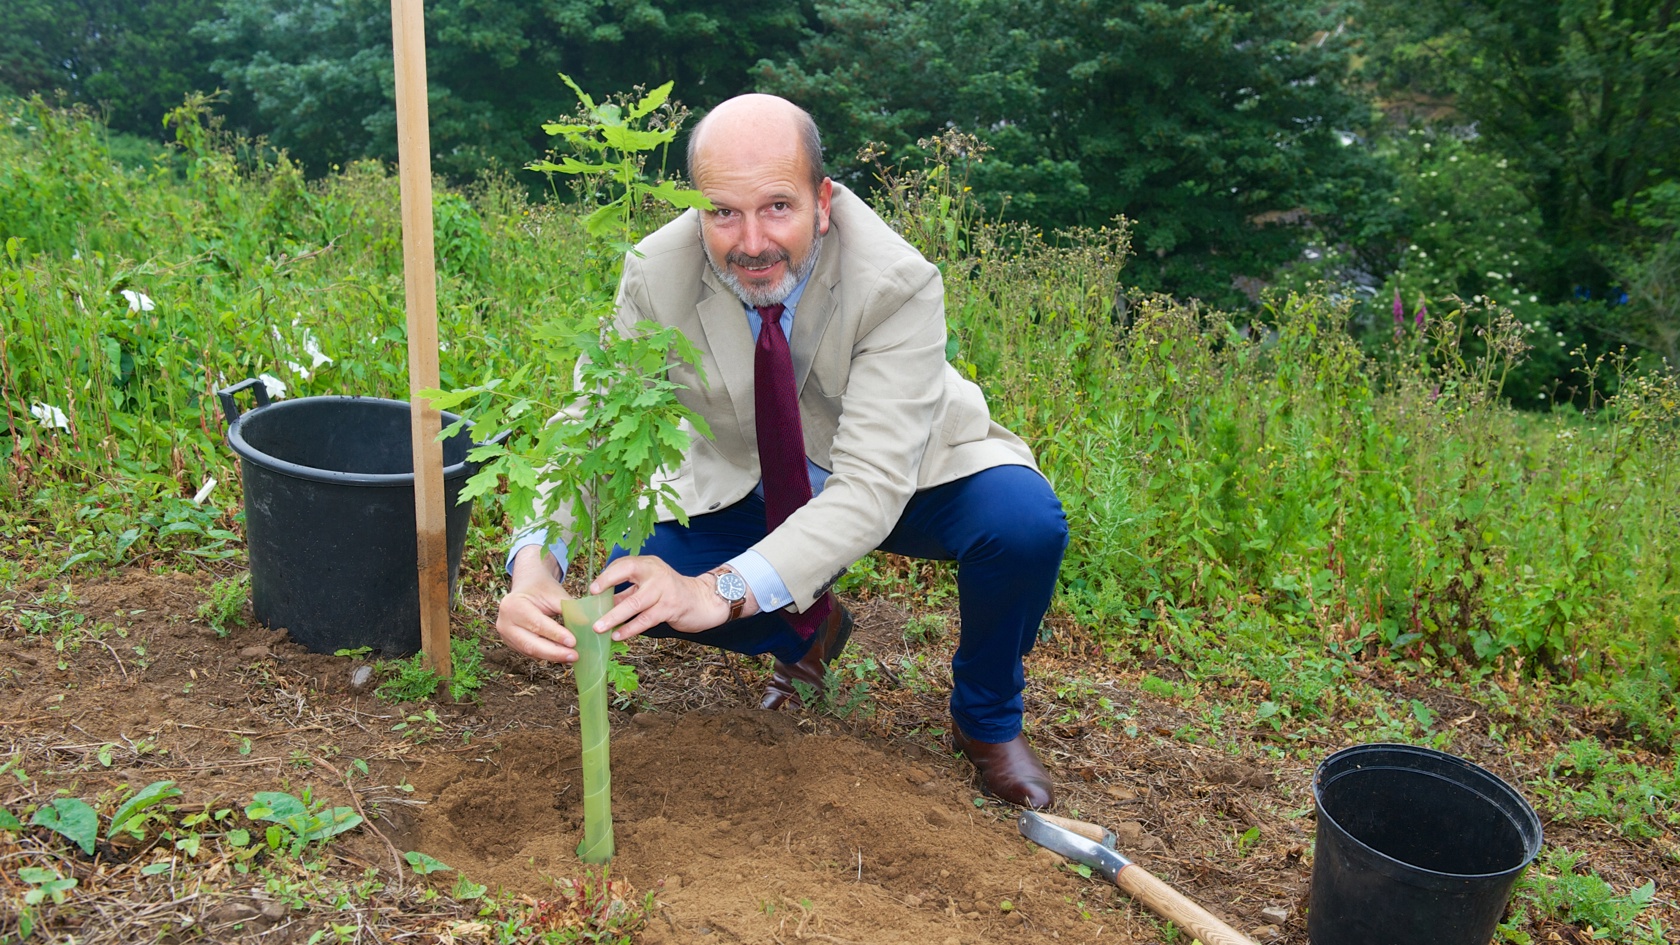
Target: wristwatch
731,587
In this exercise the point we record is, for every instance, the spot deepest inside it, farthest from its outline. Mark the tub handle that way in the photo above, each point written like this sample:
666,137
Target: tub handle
230,409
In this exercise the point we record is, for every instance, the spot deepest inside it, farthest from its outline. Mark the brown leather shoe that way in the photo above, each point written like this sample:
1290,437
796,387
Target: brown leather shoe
830,639
1009,770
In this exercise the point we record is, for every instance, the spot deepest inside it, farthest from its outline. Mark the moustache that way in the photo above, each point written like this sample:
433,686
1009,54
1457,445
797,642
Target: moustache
769,258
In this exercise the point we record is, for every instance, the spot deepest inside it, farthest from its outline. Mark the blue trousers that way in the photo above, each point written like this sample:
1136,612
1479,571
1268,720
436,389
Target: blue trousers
1003,527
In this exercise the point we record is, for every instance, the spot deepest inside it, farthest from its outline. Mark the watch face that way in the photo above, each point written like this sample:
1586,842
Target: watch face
730,587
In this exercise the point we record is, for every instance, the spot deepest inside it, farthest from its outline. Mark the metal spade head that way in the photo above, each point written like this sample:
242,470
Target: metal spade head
1071,845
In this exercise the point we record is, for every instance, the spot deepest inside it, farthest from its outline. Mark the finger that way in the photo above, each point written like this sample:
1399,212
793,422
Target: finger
633,606
542,649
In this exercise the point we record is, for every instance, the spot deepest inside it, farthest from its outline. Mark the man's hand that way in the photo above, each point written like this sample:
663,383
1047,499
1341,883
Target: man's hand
658,594
526,617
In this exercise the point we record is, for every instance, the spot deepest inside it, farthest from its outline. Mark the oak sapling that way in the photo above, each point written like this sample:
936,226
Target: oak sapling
594,462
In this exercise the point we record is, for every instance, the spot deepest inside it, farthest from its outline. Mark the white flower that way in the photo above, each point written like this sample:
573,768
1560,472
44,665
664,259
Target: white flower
137,301
275,386
1494,275
312,348
298,369
204,491
50,416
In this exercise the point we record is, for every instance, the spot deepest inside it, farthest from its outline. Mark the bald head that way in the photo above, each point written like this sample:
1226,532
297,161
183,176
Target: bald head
755,127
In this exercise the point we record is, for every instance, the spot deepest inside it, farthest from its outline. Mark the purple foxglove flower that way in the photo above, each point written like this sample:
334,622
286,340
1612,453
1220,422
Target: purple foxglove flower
1422,312
1399,310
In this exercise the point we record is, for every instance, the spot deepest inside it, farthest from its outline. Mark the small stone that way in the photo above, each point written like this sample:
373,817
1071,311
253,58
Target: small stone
913,901
673,883
1266,933
273,910
361,677
1276,915
254,652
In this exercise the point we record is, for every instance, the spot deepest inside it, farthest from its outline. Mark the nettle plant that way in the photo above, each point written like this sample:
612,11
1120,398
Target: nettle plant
603,449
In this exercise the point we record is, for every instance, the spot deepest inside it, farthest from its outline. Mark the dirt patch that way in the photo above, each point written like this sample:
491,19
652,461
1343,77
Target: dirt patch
747,826
750,827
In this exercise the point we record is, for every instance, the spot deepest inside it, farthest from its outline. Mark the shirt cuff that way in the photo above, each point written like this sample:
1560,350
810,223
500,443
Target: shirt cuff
767,586
538,536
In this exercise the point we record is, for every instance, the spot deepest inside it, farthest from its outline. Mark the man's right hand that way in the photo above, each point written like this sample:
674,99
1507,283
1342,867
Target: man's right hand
528,617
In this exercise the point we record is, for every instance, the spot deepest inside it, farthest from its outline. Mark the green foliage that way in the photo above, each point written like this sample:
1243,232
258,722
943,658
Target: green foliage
235,270
1212,127
1590,781
1558,887
411,680
627,421
424,865
295,822
1577,95
72,818
131,817
308,73
226,600
132,61
1267,472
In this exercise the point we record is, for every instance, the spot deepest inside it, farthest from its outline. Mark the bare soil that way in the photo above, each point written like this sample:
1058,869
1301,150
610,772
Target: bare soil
746,825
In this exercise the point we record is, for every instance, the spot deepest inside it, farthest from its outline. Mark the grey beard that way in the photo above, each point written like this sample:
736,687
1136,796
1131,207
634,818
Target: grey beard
771,295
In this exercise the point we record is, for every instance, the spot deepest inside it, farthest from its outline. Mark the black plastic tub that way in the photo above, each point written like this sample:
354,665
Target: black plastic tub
1414,847
329,517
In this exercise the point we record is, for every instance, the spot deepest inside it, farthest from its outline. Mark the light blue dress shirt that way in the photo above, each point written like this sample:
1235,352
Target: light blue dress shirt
767,586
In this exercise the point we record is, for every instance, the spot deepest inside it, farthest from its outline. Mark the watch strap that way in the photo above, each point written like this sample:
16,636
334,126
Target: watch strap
736,605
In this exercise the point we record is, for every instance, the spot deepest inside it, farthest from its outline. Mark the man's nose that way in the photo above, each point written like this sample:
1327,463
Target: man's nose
754,239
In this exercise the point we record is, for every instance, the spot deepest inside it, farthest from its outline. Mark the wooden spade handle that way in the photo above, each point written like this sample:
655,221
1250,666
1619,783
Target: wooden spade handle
1089,831
1169,903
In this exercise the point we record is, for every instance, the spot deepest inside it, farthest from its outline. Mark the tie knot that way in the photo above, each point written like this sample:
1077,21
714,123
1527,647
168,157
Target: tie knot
771,313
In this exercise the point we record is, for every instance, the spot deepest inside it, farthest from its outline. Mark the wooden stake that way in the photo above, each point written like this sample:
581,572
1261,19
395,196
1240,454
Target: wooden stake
414,163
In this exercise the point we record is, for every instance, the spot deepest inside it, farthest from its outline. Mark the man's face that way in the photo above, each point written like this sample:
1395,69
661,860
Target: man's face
767,221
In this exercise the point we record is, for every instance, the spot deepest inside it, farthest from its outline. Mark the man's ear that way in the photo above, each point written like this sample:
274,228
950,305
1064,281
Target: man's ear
825,197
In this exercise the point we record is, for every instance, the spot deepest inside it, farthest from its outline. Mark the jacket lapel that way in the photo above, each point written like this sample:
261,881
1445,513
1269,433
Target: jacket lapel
816,307
730,342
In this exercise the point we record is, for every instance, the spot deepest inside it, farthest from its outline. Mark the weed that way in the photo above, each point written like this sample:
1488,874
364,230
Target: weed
1586,780
925,628
226,599
1558,888
410,680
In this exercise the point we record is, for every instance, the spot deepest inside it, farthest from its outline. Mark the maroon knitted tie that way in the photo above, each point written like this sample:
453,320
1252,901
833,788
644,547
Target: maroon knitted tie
781,443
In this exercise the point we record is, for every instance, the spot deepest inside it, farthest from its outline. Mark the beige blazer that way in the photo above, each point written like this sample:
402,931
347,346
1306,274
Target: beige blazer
880,406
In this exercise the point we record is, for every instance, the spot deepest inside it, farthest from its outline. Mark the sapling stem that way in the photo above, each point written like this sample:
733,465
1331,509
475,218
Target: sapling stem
590,672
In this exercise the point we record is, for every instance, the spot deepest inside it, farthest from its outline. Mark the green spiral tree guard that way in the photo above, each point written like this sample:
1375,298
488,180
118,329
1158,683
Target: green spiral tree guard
590,671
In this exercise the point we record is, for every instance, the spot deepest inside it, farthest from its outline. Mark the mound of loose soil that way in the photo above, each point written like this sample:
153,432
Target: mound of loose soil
751,828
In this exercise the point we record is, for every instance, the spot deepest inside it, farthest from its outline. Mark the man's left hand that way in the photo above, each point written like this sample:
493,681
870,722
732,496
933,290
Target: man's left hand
658,594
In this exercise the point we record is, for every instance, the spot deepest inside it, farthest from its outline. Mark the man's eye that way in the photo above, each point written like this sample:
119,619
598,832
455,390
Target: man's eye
780,206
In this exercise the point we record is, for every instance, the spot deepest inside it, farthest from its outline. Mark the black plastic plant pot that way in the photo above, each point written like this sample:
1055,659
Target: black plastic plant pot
329,517
1414,847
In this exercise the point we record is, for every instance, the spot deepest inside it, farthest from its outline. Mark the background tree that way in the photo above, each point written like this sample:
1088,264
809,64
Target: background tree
1214,128
134,60
1582,96
315,75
